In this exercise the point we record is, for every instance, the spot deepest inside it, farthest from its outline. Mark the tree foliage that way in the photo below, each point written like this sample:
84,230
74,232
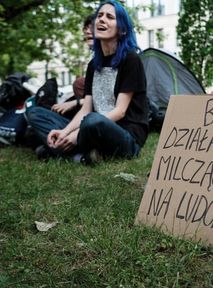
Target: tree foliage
195,33
33,30
30,29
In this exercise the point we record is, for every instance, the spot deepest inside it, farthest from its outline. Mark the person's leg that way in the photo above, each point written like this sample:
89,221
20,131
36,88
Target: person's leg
101,133
44,120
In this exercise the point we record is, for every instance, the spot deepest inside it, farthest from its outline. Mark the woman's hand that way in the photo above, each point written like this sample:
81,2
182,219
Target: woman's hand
68,142
56,136
64,107
60,139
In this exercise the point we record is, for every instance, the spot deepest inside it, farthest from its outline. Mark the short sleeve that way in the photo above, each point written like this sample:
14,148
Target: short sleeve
131,76
89,79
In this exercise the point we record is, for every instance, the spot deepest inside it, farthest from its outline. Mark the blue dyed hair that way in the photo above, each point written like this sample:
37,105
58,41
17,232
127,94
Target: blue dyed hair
126,39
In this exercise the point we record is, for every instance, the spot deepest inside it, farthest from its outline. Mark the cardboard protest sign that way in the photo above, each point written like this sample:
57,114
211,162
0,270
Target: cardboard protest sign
178,197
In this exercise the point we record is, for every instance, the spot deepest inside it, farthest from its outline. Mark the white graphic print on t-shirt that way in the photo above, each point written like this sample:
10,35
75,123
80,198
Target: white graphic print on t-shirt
103,90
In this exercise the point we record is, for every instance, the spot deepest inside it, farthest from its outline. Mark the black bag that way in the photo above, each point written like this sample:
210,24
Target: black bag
47,94
12,92
13,126
156,117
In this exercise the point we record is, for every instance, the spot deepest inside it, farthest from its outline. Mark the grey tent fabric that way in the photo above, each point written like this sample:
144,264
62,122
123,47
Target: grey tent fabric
166,75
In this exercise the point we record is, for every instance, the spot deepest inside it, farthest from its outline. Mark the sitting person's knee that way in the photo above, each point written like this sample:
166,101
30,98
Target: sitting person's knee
92,120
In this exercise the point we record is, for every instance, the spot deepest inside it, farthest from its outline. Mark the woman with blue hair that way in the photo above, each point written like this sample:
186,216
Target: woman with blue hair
113,121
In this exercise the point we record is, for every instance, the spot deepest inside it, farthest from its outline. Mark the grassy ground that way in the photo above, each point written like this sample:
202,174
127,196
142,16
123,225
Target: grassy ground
95,243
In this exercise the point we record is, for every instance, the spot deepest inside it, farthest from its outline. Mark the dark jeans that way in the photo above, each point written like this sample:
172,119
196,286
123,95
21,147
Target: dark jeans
96,132
103,134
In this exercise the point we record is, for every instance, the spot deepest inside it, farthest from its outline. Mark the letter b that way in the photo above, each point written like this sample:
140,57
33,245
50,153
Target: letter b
208,117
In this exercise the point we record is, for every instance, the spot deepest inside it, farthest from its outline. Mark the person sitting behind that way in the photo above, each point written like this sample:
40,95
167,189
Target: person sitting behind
70,107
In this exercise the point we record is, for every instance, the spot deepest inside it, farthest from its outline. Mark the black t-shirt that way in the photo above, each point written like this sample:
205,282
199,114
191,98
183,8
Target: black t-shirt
130,77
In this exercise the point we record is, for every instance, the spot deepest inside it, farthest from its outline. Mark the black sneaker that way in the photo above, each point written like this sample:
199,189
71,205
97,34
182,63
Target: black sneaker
42,152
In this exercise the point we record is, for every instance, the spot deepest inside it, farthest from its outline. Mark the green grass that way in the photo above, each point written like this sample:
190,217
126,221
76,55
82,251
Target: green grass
95,243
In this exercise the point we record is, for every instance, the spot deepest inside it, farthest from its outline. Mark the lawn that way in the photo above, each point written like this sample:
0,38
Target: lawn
94,242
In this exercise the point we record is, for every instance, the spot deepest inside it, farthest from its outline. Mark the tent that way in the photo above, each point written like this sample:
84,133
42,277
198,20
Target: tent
166,75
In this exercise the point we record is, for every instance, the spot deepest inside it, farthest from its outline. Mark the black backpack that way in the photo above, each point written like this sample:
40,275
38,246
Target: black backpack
46,95
156,117
12,92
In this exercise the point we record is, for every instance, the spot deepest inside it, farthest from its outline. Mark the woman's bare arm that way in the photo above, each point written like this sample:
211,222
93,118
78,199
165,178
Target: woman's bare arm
121,106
